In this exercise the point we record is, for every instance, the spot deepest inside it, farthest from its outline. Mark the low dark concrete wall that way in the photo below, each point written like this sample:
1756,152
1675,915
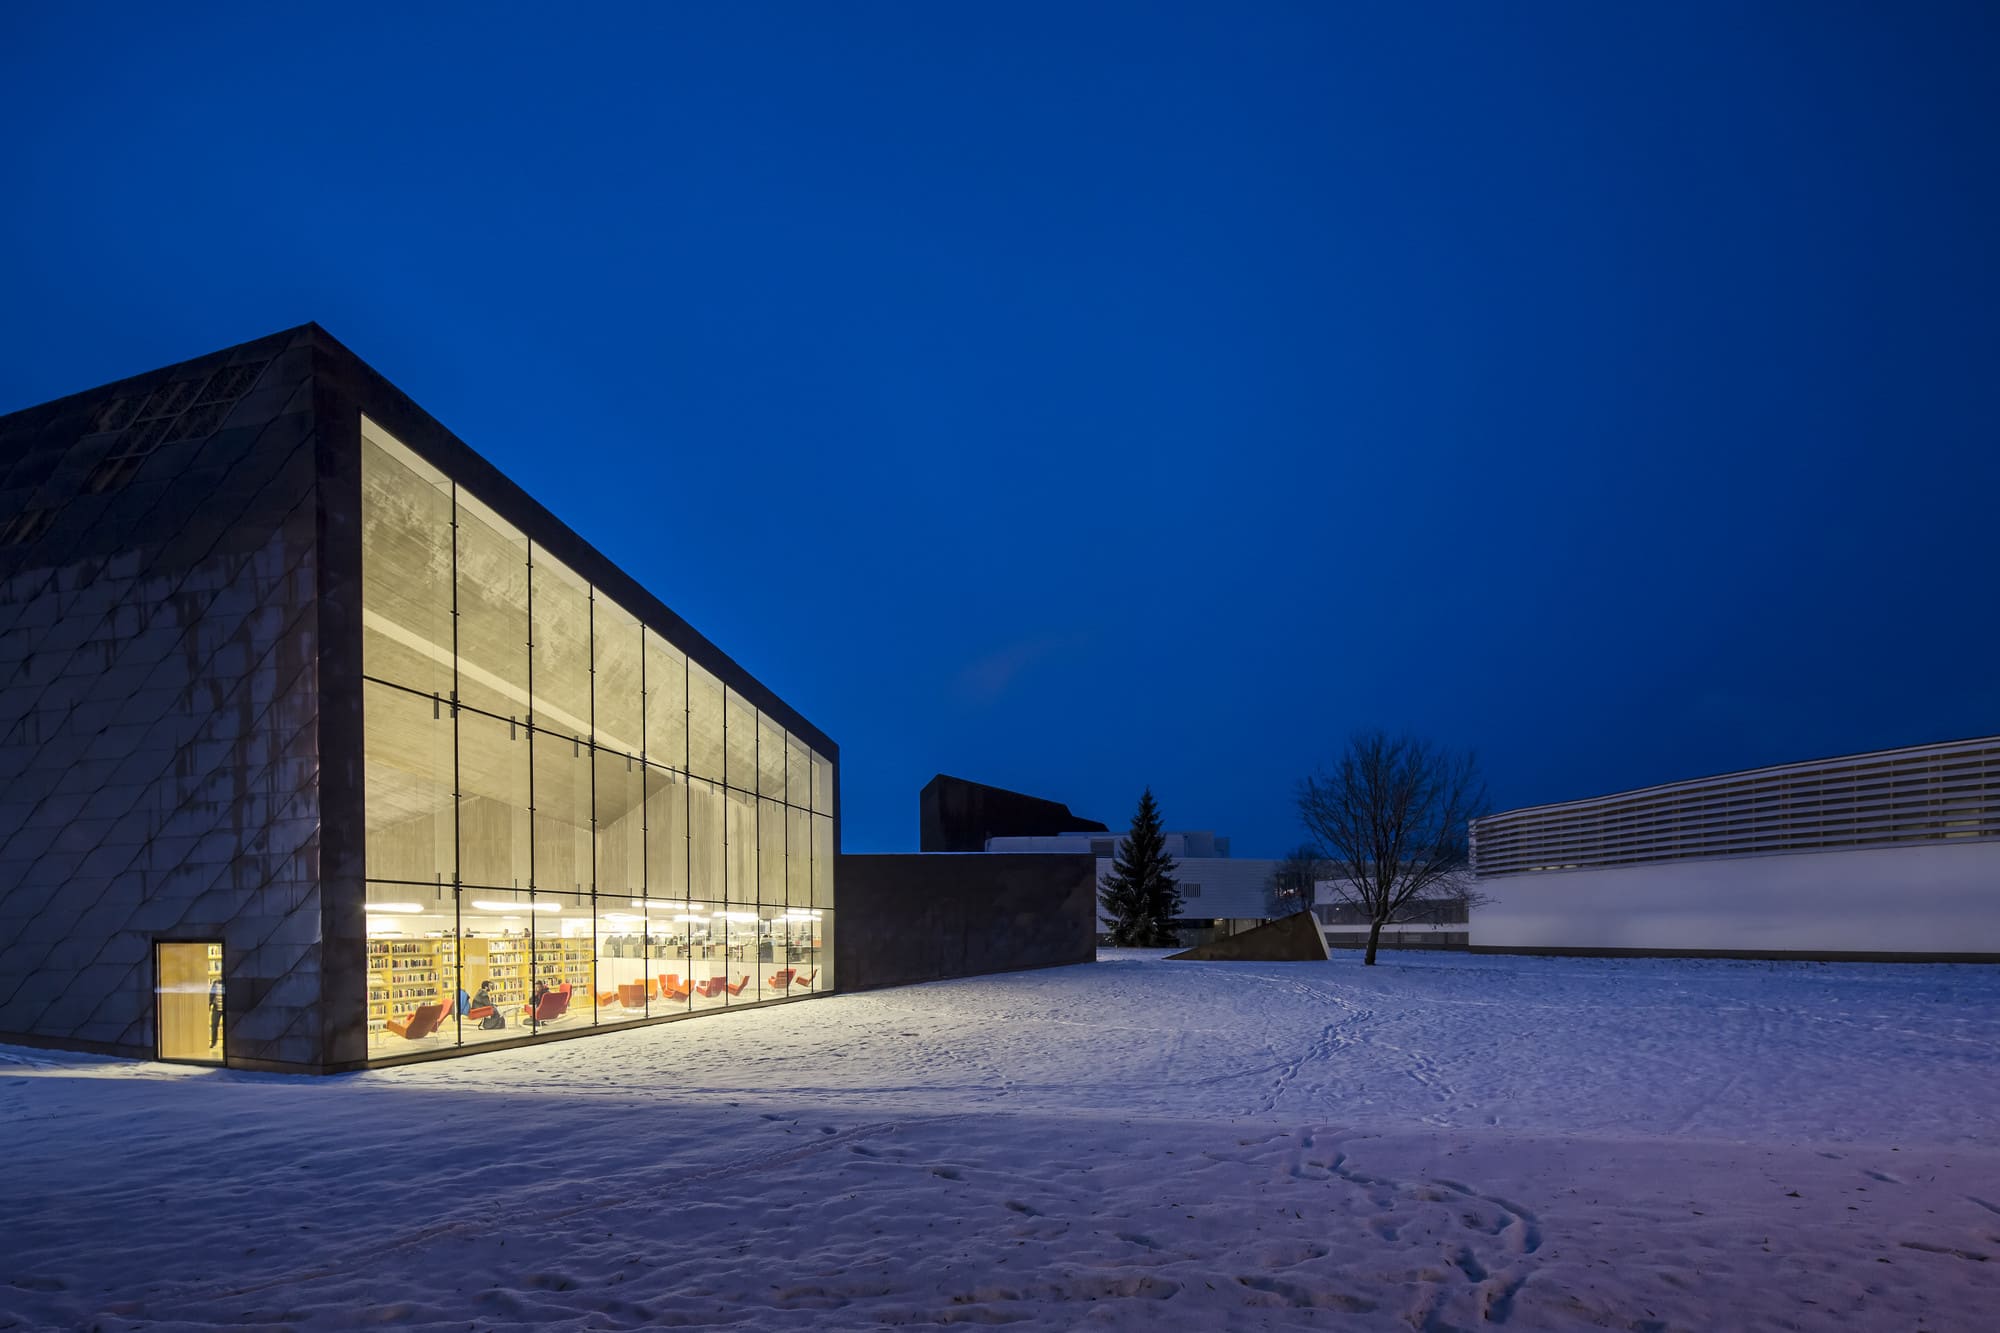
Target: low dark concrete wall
904,919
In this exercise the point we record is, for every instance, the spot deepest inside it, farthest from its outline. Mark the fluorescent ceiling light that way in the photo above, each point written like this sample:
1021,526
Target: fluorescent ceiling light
394,907
487,905
687,917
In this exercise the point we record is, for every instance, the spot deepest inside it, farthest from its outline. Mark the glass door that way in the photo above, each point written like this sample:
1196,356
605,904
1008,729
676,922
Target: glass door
188,1001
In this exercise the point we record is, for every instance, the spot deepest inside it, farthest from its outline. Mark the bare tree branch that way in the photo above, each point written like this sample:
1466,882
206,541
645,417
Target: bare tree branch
1392,817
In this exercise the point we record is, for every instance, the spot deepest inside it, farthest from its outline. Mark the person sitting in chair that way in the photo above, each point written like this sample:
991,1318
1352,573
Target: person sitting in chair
483,1001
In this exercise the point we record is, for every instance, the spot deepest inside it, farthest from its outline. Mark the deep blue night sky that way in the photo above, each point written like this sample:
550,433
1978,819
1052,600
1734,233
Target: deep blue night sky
1079,397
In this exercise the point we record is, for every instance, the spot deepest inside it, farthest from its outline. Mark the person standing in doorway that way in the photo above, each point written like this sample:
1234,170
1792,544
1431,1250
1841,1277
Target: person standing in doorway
214,1012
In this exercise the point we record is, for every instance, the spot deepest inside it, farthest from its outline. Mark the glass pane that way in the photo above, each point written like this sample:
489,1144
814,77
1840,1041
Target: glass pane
770,759
745,935
705,843
798,859
407,777
793,969
771,978
188,1002
405,566
680,936
413,976
771,852
823,950
798,773
562,812
621,825
561,604
822,866
626,987
723,972
492,612
616,698
666,835
562,992
822,786
496,970
704,723
413,969
708,966
493,802
740,848
666,704
740,734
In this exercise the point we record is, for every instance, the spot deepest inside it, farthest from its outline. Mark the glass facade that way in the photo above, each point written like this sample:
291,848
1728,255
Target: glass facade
569,824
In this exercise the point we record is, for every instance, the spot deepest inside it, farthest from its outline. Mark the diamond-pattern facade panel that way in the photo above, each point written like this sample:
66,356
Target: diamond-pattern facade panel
159,699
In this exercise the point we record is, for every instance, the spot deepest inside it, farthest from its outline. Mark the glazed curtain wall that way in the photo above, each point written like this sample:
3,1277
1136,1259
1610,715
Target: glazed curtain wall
568,822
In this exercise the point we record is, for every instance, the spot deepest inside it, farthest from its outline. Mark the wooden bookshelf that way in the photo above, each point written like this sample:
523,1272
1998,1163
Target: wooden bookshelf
405,974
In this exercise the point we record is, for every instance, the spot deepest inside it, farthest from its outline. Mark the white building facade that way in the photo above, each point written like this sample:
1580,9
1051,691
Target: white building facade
1893,854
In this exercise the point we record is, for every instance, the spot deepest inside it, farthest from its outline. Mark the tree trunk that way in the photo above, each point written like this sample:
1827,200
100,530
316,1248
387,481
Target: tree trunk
1374,935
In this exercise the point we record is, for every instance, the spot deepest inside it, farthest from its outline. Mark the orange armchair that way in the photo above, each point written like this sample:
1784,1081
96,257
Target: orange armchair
419,1025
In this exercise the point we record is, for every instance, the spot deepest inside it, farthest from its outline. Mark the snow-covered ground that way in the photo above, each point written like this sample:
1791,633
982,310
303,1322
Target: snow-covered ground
1438,1142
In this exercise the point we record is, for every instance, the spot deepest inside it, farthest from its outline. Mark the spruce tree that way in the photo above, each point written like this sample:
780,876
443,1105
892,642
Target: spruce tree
1140,895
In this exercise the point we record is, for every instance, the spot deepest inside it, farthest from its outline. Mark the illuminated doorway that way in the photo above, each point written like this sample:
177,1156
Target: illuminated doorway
188,1001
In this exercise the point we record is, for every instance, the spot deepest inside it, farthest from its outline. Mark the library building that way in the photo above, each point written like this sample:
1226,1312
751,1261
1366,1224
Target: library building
323,745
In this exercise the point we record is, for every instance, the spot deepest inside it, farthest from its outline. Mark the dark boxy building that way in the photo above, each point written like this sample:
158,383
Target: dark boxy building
956,815
323,745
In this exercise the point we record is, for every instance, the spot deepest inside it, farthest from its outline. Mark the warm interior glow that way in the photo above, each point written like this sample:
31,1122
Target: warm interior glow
506,702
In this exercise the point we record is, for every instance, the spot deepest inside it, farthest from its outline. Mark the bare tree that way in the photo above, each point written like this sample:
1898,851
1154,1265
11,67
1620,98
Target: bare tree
1392,817
1290,886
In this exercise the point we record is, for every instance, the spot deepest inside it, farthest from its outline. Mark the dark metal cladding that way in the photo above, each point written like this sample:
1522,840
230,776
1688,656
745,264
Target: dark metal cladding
959,816
159,702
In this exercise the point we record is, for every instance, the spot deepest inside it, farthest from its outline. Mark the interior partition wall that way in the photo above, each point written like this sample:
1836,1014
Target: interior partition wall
569,822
